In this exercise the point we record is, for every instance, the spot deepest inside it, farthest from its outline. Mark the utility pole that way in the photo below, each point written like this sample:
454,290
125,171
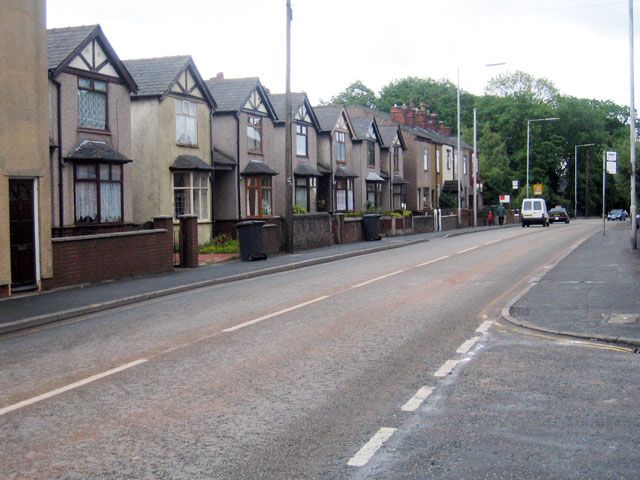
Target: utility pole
287,143
586,188
632,113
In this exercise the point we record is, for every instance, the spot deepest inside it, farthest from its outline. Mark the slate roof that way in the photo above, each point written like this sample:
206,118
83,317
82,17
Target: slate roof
96,151
435,136
374,177
231,94
63,44
306,170
361,127
220,158
327,116
343,172
156,76
388,133
190,162
398,180
258,168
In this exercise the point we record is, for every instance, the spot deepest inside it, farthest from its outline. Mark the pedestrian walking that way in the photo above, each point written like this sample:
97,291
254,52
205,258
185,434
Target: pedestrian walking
500,211
490,218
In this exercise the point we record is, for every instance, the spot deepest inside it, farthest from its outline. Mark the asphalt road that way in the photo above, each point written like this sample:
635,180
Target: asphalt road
327,372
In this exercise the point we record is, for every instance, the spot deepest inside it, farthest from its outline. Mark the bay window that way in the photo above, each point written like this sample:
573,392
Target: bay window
259,198
374,195
344,194
191,194
98,193
305,192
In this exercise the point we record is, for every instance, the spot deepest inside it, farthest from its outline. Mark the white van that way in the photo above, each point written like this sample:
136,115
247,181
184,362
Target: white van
534,211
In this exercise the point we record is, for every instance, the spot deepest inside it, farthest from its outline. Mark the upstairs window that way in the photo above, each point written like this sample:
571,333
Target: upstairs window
254,134
464,164
448,160
425,159
437,161
186,123
92,104
301,141
371,154
396,159
341,147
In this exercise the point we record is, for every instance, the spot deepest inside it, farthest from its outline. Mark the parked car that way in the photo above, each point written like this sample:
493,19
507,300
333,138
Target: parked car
558,214
616,214
534,211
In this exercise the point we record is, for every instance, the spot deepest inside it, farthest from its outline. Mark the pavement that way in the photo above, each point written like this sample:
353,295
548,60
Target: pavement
30,310
593,293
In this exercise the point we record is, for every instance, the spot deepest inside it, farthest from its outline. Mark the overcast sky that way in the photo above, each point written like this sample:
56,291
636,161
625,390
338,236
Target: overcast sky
582,46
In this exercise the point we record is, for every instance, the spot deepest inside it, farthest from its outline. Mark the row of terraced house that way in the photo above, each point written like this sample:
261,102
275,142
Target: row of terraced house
102,157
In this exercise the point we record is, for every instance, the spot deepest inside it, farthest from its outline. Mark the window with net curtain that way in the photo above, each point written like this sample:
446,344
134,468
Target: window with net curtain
341,147
344,194
186,123
92,104
191,194
254,133
98,193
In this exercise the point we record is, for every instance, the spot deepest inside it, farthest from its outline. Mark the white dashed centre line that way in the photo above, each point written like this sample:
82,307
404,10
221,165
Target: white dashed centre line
432,261
275,314
377,279
371,447
484,326
467,250
446,368
417,399
492,242
466,346
71,386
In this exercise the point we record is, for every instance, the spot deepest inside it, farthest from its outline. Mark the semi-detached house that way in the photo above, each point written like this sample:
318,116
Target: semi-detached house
171,132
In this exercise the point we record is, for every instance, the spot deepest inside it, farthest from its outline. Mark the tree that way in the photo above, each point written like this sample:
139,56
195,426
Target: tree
355,94
522,84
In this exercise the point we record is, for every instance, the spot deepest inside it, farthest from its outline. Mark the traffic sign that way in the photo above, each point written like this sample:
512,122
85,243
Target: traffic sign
537,189
515,184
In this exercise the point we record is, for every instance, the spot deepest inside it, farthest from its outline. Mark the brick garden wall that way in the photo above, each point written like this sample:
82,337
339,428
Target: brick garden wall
422,224
94,258
272,237
311,231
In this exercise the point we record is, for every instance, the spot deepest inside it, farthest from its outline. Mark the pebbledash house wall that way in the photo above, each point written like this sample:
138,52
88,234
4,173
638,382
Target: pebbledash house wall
24,139
154,151
117,136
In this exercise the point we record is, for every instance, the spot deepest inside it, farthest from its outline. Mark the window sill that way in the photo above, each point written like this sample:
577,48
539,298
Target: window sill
255,152
188,145
95,131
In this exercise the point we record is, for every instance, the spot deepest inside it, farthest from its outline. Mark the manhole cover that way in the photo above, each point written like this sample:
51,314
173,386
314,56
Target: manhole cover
622,318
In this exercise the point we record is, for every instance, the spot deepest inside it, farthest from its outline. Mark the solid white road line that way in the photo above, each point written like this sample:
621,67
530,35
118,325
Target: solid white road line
466,346
446,368
467,250
484,326
71,386
417,399
275,314
371,447
377,279
432,261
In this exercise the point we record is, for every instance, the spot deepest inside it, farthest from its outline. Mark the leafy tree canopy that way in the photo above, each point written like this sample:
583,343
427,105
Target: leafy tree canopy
356,94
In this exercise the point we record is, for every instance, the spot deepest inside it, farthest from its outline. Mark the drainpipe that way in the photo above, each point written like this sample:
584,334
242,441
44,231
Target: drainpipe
213,176
60,166
331,176
237,115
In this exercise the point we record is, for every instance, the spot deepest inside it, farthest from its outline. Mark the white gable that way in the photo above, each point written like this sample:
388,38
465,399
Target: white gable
94,59
341,124
255,103
302,114
186,85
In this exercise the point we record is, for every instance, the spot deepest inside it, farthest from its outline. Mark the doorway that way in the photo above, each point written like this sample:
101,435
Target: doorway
22,227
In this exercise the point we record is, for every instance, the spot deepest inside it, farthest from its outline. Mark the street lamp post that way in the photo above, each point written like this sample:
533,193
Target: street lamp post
457,157
550,119
575,176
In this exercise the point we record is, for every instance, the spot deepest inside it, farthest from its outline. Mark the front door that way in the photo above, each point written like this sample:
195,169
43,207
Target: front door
22,236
